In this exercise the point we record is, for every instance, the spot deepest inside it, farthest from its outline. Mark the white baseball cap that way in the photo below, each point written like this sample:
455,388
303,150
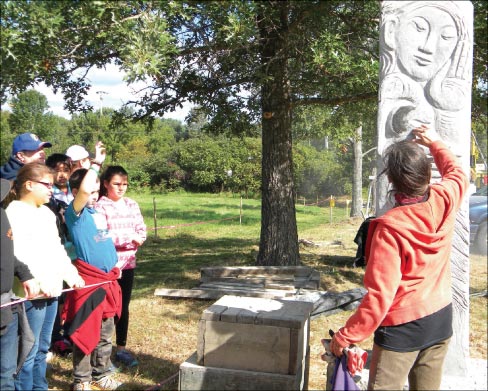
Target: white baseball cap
77,152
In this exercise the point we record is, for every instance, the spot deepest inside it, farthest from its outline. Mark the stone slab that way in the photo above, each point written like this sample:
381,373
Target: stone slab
248,347
255,334
271,312
196,377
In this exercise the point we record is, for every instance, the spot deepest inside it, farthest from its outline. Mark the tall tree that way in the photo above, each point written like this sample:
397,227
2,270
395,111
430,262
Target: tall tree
29,113
240,61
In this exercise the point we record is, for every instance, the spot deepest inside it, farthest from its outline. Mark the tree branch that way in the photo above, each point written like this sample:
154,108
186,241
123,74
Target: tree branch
336,100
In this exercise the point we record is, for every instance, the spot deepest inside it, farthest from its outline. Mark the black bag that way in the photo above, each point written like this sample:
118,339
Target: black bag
360,240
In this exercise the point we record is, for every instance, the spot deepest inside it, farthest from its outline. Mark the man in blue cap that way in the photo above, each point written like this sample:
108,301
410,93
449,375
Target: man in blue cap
27,148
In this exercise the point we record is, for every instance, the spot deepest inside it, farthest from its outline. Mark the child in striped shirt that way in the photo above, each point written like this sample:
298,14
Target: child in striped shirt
128,231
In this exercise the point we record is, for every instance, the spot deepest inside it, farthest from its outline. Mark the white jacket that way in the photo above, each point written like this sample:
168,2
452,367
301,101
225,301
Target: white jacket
38,245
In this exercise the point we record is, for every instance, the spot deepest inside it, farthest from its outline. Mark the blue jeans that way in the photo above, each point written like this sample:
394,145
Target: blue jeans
8,356
41,315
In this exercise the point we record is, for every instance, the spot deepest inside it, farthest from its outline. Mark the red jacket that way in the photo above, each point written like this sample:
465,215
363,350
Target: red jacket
408,270
85,308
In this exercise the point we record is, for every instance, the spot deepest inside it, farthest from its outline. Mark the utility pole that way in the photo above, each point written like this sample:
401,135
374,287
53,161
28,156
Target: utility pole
100,96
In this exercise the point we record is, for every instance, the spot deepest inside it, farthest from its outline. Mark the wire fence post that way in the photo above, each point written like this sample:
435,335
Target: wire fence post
155,219
331,205
240,212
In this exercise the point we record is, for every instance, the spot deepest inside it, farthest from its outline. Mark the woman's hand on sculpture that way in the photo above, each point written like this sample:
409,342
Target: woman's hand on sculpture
424,136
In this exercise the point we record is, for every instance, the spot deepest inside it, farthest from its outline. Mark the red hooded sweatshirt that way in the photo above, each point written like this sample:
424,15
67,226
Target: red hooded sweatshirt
85,308
408,273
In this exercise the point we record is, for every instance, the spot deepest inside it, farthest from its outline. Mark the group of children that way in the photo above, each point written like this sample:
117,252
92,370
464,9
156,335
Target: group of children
69,225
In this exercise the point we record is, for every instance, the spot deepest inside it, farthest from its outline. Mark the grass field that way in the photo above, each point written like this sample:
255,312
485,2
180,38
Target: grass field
205,230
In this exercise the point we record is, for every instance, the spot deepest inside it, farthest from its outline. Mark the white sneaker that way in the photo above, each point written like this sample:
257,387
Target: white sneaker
49,356
106,383
84,386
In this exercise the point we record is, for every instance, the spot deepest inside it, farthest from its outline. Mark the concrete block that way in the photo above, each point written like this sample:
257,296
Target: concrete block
255,334
195,377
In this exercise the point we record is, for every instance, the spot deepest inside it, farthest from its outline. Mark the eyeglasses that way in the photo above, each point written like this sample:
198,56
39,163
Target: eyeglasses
46,184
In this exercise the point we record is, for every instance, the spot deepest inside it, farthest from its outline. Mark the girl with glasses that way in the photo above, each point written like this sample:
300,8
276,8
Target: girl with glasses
37,244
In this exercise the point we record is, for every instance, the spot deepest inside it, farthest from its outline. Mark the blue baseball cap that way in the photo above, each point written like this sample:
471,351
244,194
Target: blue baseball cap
28,142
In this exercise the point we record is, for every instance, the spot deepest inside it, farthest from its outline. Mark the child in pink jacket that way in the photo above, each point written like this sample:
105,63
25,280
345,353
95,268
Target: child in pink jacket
128,231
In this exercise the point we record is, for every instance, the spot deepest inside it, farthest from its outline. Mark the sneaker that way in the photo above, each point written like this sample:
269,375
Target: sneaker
105,383
49,357
124,357
81,386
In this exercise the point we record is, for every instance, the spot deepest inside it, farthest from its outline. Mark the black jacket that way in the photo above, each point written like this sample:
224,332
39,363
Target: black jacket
9,266
9,170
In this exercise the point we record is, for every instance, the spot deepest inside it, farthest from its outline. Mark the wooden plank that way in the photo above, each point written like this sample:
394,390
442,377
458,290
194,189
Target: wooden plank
271,285
243,288
313,277
260,278
189,293
230,271
214,294
244,285
231,284
231,280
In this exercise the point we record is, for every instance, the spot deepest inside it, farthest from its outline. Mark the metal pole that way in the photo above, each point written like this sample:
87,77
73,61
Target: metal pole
240,212
155,219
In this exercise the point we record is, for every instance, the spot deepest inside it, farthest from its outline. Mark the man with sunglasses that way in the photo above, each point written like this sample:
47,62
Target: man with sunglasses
26,148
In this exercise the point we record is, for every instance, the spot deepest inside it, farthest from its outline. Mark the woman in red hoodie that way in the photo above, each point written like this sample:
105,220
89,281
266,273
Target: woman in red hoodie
408,276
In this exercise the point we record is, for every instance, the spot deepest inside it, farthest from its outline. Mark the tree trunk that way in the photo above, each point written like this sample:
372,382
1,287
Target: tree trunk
278,244
357,181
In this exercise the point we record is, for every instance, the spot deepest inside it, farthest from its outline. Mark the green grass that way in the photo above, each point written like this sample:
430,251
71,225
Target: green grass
187,208
208,231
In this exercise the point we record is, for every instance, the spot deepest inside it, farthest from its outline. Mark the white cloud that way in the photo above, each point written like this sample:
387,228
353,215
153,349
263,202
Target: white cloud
109,85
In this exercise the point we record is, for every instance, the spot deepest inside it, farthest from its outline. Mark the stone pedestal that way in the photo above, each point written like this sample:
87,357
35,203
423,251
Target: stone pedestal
197,377
245,338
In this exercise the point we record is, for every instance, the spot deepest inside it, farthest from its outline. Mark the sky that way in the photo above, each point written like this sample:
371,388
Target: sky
107,84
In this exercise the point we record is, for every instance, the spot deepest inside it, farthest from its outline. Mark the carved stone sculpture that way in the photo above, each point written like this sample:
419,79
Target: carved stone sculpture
425,78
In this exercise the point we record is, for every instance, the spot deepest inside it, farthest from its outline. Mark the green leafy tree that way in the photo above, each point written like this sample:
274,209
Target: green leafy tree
29,113
241,62
6,137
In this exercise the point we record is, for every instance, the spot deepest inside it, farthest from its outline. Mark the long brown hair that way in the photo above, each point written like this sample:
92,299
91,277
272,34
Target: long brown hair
408,168
28,172
108,174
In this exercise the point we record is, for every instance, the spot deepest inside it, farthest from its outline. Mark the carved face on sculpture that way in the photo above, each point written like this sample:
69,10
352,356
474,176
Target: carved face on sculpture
425,39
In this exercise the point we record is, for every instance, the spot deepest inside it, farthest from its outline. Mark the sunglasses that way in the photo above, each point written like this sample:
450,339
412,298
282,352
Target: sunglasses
46,184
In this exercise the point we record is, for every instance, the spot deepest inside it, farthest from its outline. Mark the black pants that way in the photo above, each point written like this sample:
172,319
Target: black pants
122,326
